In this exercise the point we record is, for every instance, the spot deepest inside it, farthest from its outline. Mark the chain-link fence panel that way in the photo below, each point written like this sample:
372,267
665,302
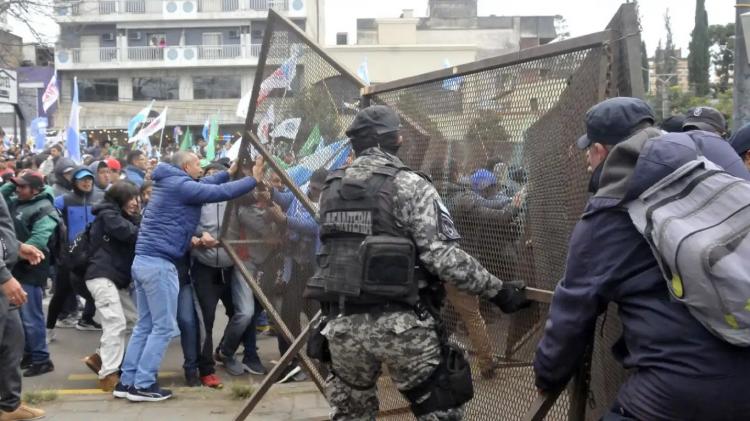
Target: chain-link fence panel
299,108
498,143
497,138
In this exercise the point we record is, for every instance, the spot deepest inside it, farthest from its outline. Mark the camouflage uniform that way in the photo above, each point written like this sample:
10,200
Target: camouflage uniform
360,343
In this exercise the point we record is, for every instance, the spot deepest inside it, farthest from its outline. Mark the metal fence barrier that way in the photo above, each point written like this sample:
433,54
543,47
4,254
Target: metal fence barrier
496,136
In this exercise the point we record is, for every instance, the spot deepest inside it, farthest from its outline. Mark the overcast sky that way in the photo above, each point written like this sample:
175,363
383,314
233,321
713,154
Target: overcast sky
582,16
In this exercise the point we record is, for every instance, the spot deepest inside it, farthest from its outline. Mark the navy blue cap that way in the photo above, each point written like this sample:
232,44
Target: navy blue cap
705,118
740,140
614,120
376,118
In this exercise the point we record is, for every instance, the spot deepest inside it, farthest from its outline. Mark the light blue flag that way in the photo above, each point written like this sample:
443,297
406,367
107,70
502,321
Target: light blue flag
454,83
139,119
72,135
363,73
205,129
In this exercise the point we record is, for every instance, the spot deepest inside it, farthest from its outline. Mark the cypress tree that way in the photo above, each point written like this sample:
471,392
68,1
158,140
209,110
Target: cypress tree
699,58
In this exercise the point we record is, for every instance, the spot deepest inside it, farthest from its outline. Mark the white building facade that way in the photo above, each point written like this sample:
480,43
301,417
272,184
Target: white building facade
195,56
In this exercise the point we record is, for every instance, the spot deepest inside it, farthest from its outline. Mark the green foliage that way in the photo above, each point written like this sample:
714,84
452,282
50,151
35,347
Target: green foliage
722,56
681,101
35,397
241,391
698,60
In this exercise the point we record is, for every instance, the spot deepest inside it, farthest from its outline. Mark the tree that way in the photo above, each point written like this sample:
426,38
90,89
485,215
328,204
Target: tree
722,56
698,60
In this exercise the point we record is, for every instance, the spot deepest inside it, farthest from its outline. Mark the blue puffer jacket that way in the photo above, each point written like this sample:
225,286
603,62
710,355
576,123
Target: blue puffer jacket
680,370
136,175
174,210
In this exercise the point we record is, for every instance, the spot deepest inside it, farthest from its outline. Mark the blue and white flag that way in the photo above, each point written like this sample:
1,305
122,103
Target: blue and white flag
72,134
454,83
38,131
205,129
333,156
139,119
287,128
363,73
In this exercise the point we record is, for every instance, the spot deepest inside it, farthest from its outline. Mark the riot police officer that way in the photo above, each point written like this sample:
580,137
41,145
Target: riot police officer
387,243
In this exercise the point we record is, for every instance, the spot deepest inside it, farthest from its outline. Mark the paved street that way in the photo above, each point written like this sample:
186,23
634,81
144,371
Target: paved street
80,399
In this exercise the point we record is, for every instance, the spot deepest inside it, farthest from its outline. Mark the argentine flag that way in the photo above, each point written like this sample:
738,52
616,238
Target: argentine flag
72,135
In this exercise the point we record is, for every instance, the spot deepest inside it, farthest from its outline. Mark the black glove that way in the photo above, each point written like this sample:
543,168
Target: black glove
512,297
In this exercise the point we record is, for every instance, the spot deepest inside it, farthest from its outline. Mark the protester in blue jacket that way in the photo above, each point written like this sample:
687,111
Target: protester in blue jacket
135,171
76,207
168,225
680,371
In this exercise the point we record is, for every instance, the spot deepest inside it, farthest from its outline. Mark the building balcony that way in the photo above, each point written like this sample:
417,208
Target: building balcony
104,11
156,57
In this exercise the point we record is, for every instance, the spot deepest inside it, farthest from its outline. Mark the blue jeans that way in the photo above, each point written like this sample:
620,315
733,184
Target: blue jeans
156,290
249,339
187,320
244,309
32,316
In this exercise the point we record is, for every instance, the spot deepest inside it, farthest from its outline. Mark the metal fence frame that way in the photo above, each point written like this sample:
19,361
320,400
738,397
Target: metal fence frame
622,41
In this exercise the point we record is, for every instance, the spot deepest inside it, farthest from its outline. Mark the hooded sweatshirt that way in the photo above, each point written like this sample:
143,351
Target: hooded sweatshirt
113,237
61,184
76,207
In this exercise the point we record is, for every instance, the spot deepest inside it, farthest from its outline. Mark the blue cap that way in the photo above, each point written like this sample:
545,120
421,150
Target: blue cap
614,120
482,179
83,173
740,140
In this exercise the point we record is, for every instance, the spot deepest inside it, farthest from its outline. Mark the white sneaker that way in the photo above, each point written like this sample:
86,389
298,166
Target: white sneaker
51,336
290,375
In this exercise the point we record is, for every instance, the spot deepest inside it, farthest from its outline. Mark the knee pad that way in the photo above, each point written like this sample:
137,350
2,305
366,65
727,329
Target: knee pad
448,387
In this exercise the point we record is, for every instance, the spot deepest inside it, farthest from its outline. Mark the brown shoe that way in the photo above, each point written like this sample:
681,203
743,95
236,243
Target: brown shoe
93,362
108,383
23,412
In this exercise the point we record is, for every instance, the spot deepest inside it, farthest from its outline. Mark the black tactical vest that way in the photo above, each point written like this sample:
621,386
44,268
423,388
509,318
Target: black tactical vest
364,257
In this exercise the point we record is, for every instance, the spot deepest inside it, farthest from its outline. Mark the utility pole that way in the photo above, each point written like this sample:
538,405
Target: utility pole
741,69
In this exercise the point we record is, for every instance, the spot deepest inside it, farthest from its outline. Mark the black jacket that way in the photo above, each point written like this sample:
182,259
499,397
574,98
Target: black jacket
112,247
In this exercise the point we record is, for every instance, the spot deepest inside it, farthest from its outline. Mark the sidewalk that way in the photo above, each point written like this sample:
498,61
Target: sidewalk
294,401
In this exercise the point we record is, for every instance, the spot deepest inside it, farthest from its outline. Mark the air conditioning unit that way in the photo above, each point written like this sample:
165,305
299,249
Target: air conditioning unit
109,36
135,36
234,34
190,54
180,9
173,55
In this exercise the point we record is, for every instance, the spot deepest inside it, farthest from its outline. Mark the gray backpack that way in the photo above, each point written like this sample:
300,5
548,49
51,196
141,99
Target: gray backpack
697,221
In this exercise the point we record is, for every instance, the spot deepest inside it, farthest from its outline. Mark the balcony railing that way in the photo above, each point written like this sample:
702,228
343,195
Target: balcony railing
218,52
169,55
111,7
145,53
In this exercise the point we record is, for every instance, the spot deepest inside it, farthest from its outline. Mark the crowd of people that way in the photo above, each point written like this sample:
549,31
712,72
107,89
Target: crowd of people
153,270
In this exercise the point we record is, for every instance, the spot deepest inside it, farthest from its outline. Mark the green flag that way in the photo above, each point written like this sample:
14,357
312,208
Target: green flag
213,133
187,140
311,144
281,163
